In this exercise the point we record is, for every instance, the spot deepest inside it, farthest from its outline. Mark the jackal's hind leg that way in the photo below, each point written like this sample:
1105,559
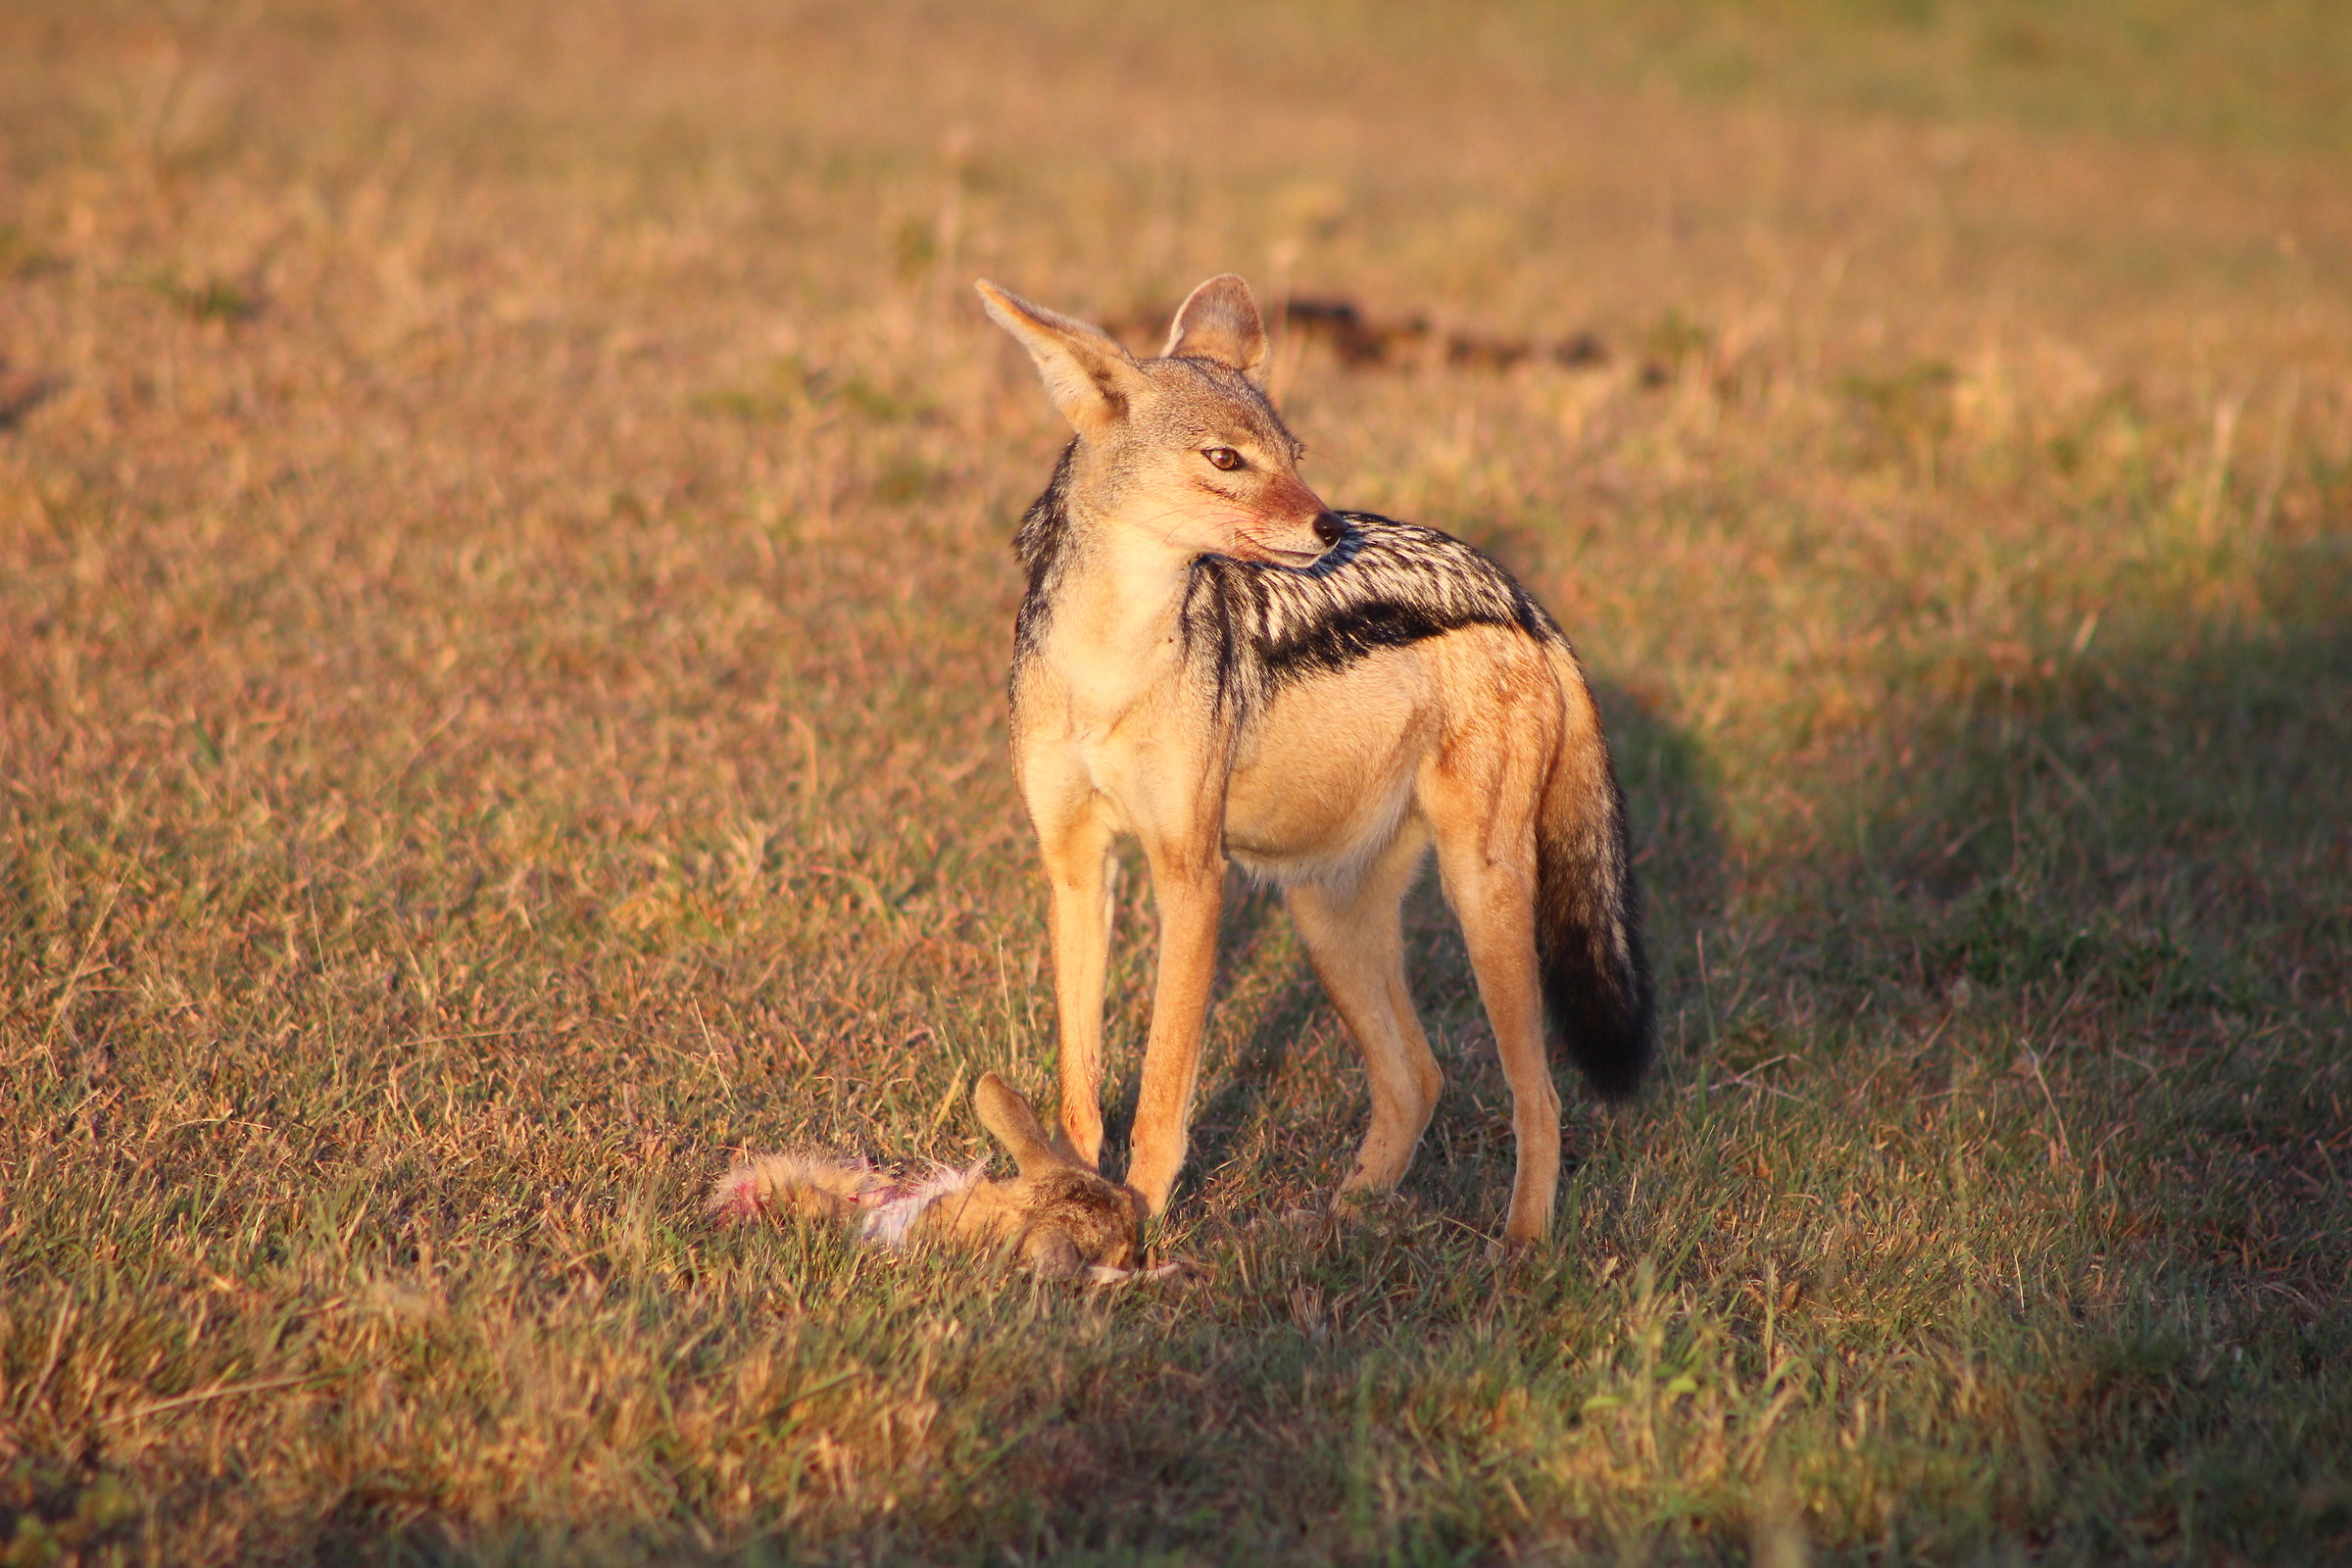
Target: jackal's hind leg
1491,881
1355,937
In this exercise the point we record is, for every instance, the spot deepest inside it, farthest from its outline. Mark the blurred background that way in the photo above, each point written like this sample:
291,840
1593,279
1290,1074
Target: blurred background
398,340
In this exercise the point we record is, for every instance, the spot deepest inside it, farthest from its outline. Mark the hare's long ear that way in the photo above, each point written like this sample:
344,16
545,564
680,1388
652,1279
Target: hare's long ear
1089,376
1006,1114
1220,323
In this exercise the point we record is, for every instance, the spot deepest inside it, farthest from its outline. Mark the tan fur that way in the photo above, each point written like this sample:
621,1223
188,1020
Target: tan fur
797,1186
1056,1216
1336,791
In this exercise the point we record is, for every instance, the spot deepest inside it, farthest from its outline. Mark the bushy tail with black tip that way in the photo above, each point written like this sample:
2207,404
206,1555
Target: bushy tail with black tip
1597,996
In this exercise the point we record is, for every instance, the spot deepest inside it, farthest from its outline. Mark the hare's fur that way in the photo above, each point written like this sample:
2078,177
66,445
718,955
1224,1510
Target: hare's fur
1056,1216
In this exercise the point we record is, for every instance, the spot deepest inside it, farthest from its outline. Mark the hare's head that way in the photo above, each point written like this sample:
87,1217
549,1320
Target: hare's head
1062,1218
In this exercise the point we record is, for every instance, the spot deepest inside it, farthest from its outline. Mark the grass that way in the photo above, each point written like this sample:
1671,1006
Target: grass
503,600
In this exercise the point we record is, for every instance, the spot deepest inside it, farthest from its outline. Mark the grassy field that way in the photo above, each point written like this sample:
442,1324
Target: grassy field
503,594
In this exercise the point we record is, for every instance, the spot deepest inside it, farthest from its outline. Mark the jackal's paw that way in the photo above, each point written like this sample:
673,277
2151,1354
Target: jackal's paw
1380,1208
1307,1218
1506,1250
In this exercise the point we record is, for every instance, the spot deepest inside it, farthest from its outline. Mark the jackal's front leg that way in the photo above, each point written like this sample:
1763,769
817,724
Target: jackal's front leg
1189,891
1077,855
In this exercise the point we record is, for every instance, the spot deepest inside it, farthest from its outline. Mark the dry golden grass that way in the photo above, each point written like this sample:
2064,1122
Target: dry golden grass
503,603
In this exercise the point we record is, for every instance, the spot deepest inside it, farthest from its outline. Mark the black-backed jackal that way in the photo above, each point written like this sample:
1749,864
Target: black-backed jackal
1211,660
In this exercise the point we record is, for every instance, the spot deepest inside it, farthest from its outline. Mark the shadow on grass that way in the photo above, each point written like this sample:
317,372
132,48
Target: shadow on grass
2142,857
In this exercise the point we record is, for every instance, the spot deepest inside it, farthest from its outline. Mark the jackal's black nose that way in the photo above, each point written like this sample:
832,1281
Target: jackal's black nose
1328,528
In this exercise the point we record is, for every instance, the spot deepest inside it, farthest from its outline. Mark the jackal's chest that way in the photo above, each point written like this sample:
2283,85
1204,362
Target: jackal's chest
1117,717
1095,691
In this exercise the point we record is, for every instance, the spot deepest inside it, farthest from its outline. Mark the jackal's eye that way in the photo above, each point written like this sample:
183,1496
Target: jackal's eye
1224,458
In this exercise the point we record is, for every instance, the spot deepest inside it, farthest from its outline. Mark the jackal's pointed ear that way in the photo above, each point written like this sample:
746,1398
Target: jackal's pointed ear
1004,1114
1089,376
1220,323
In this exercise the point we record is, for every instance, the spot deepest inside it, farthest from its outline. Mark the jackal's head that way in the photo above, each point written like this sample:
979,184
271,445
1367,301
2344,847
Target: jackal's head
1185,447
